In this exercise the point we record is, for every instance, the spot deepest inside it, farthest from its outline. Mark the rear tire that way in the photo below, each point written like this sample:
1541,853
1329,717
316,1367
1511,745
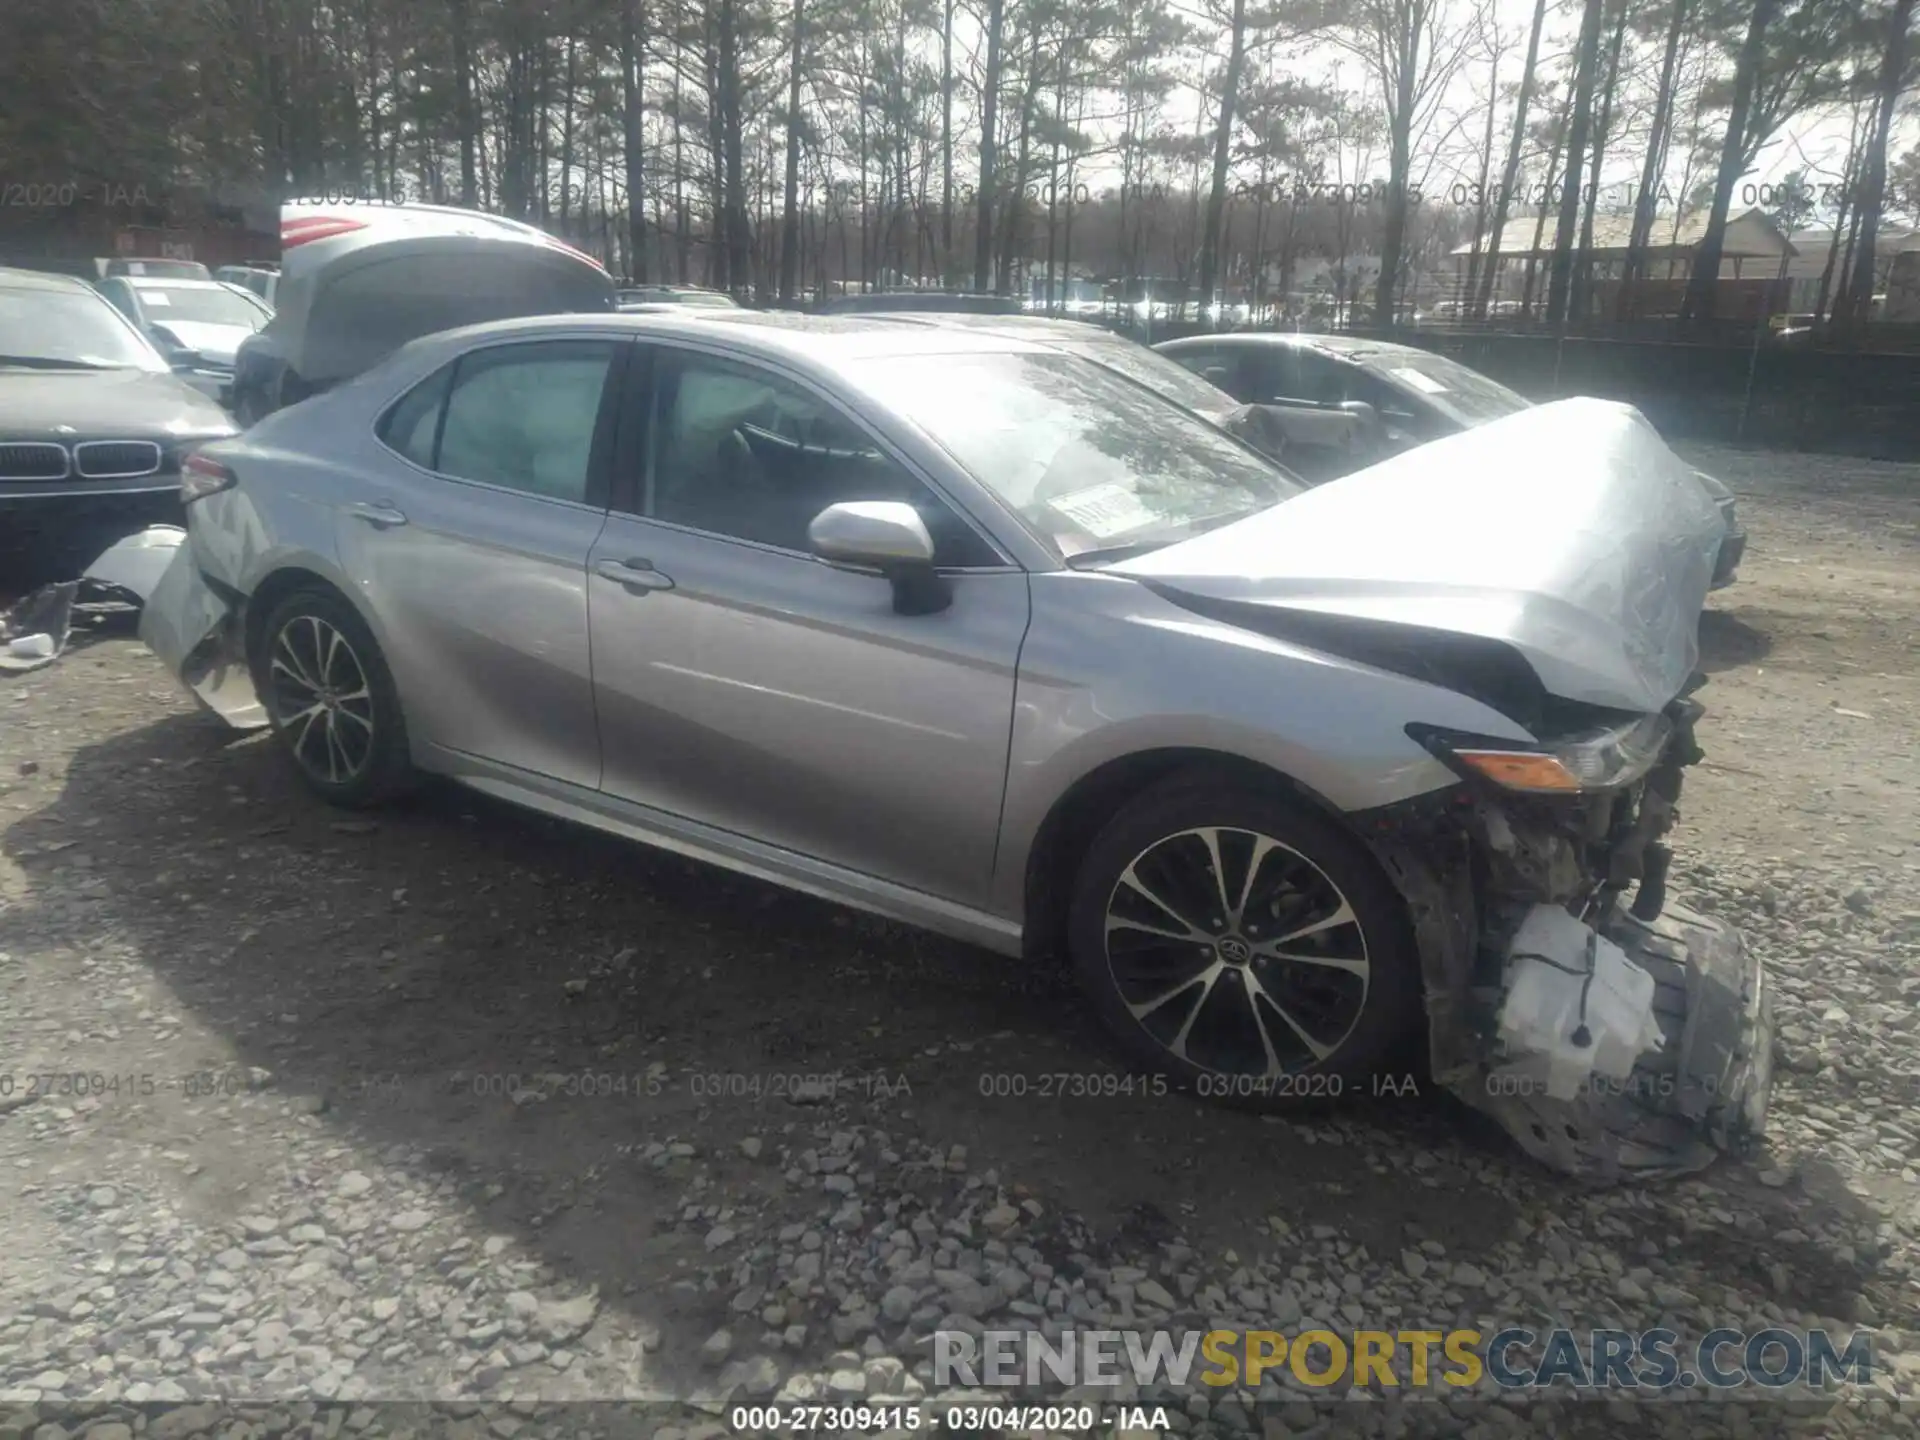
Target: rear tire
331,700
1243,945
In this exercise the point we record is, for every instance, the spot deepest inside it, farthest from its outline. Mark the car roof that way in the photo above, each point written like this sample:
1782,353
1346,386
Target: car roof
832,339
163,282
14,279
1351,346
1040,327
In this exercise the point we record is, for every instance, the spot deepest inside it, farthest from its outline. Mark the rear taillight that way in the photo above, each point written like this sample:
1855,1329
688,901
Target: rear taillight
201,477
304,229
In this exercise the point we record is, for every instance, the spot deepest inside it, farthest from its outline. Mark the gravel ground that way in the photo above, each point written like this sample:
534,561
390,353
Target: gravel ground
462,1108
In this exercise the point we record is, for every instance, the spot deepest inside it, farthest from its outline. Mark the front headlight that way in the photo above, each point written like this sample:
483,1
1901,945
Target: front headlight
1599,759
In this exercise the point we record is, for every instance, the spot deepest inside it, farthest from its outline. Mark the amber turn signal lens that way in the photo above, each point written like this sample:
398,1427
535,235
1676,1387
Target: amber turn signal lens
1521,770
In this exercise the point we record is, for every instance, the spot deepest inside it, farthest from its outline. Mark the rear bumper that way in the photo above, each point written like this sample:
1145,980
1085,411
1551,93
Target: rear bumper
200,637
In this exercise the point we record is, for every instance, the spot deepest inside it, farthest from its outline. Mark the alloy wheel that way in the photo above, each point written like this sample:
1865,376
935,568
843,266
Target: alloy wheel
321,701
1236,953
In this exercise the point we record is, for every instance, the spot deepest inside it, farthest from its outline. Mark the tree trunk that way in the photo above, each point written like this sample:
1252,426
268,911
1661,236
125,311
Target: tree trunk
1836,250
1486,174
1540,220
1053,183
1704,276
682,219
463,101
566,134
1011,228
1646,198
633,97
739,232
1223,151
1586,74
1578,302
946,148
719,252
790,222
1856,298
1510,176
989,107
1399,165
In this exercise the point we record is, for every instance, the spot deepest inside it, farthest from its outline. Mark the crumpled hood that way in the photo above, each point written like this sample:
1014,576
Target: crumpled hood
1568,531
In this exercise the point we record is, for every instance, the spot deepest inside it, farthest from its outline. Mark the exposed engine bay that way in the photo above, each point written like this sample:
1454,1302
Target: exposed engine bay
1478,868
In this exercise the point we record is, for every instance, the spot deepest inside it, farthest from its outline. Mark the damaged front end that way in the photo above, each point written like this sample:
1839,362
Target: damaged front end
1612,1040
198,633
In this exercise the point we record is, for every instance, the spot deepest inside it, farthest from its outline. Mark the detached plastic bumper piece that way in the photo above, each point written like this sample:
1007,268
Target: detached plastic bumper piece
1702,1093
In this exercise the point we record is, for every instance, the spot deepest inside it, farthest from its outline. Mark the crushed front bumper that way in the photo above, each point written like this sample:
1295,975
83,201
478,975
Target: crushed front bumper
199,636
1470,863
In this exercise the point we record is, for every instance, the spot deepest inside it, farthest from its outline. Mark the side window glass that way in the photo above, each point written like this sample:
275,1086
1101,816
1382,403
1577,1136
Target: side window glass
1324,381
1207,362
411,424
739,452
120,296
1273,374
523,416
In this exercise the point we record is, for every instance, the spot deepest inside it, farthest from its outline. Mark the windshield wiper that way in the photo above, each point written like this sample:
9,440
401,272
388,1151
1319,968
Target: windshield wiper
1090,559
54,362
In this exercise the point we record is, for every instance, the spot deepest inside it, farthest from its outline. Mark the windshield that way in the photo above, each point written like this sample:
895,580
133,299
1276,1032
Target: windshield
212,306
70,327
1093,461
1170,378
1462,395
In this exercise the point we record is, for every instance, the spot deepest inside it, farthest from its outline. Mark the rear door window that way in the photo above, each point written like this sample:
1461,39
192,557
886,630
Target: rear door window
524,417
411,428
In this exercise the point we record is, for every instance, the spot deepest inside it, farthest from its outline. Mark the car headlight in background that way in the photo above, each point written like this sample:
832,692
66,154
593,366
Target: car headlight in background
1602,758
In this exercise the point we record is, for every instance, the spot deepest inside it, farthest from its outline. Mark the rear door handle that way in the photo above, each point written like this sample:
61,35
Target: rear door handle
638,576
378,514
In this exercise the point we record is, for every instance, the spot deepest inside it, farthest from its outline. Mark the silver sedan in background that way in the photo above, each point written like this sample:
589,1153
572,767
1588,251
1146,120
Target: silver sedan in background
977,633
1403,396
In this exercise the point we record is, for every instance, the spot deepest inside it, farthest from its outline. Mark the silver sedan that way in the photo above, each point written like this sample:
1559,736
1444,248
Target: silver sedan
979,634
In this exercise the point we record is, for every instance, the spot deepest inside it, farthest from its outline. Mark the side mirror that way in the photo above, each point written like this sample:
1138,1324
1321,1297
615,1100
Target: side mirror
889,536
1363,412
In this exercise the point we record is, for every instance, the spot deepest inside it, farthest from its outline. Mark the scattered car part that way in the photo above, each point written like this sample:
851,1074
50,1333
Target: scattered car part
34,629
135,564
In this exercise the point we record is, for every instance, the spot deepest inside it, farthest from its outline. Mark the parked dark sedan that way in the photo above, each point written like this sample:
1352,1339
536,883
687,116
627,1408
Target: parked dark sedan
1400,395
93,422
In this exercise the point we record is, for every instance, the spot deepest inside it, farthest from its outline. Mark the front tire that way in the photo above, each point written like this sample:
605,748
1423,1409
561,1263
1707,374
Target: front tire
1243,945
331,700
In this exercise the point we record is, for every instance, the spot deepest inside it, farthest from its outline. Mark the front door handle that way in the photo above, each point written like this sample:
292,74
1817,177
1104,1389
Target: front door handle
379,514
638,576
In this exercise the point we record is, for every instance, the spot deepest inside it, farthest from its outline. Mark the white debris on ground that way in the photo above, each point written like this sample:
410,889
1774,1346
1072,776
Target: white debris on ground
368,1168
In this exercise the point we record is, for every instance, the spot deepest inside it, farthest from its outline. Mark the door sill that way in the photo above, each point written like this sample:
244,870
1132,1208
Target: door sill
738,853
